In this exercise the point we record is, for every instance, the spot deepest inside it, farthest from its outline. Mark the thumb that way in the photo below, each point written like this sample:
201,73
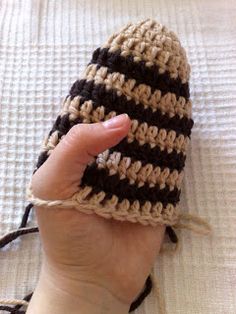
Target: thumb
60,175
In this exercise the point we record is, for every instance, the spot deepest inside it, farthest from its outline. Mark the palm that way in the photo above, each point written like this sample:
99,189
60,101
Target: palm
120,254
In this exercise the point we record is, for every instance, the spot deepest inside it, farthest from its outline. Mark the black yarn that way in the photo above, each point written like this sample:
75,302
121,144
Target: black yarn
155,155
17,308
9,309
100,180
26,298
62,125
171,234
112,102
25,217
140,72
143,295
11,236
41,159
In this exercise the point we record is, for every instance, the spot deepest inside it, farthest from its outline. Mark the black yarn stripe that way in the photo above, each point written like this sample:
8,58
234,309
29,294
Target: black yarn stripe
140,72
100,96
62,125
93,170
155,155
100,180
144,162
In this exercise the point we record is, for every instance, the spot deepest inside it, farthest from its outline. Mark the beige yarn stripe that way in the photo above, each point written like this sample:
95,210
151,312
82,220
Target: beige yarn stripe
154,44
140,93
86,202
143,135
85,111
141,132
154,137
138,174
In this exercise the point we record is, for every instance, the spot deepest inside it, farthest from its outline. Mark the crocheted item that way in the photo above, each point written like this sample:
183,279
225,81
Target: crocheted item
142,71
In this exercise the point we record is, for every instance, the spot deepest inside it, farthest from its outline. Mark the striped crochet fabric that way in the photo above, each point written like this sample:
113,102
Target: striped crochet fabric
142,71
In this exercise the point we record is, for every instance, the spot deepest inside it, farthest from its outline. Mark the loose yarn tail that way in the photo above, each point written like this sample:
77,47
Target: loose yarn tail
194,223
6,304
14,234
146,291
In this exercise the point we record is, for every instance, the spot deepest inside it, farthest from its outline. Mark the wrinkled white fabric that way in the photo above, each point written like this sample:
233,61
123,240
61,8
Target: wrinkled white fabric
44,45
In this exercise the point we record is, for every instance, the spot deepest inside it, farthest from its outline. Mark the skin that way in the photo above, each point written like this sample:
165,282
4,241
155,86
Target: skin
90,264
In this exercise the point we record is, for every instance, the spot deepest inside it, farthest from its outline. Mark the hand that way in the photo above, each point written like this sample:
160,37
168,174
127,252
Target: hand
89,261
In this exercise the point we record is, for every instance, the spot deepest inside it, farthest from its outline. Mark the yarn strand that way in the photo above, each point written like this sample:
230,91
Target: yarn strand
18,304
11,236
194,223
171,234
13,302
26,298
25,217
10,310
146,291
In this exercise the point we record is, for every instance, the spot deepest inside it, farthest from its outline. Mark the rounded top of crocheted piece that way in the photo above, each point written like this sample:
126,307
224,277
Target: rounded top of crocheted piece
153,44
142,71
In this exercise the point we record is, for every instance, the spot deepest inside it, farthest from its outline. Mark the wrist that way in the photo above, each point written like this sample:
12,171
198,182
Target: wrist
58,294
